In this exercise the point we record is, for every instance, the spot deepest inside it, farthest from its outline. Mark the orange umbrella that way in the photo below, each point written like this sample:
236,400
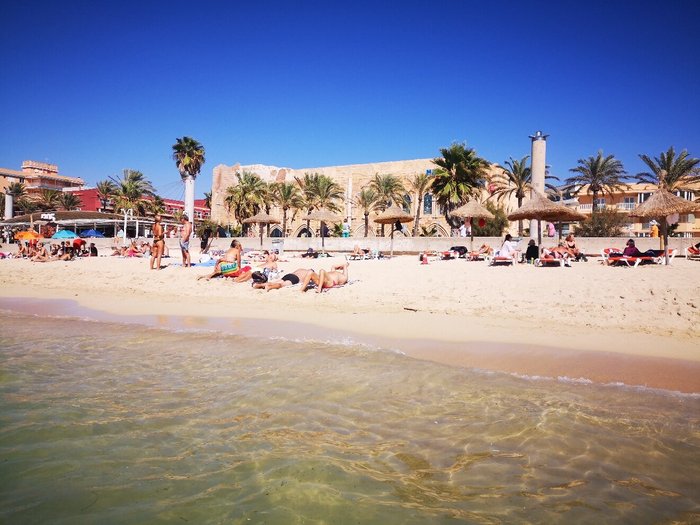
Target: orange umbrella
28,235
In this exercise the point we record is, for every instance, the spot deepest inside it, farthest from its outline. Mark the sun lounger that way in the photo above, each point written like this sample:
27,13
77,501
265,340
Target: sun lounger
501,261
550,261
632,262
692,253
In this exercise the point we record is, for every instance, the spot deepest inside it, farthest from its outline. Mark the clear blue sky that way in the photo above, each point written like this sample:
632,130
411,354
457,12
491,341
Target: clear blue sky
99,86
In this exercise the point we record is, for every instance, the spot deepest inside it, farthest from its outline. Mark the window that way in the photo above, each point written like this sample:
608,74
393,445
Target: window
641,197
427,204
683,194
599,203
407,203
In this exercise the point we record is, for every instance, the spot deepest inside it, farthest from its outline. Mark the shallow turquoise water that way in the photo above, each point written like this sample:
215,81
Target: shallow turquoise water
109,423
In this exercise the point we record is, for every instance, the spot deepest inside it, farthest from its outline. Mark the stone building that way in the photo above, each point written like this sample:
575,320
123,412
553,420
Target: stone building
352,178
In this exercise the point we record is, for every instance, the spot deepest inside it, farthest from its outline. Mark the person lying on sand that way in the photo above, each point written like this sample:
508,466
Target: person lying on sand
338,276
288,279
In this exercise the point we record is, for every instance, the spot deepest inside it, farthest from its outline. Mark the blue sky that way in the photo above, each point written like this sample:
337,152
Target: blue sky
97,87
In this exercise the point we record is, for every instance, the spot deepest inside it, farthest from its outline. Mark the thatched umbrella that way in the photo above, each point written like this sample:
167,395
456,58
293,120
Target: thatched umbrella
662,204
261,218
541,208
323,216
472,210
392,215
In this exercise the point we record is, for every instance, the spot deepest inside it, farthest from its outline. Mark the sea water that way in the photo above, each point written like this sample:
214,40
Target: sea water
124,423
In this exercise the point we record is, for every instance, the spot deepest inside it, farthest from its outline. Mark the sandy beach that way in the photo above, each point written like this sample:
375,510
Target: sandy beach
635,326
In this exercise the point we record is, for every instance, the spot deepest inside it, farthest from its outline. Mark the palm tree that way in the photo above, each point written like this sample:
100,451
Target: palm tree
680,171
598,174
155,205
188,155
319,191
48,199
69,201
390,190
287,196
244,199
26,205
106,189
515,179
17,191
419,184
130,191
207,199
460,172
368,201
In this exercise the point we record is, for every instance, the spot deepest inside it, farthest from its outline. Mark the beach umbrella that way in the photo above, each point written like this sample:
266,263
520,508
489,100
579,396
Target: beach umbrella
662,204
91,233
539,207
472,210
28,235
261,218
64,234
322,216
392,215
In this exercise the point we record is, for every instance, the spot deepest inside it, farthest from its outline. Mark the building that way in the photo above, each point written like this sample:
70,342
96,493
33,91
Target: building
630,197
37,176
350,177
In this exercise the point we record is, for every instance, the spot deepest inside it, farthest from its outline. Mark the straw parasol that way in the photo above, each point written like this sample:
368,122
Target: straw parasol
541,208
472,210
261,218
390,216
322,216
662,204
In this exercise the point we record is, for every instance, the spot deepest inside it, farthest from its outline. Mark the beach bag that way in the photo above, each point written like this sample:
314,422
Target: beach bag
259,277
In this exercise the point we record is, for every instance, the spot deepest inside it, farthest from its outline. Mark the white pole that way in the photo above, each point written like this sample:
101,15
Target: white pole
9,204
189,198
537,167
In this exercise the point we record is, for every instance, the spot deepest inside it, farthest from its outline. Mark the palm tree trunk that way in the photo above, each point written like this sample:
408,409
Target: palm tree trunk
366,224
520,222
284,222
417,221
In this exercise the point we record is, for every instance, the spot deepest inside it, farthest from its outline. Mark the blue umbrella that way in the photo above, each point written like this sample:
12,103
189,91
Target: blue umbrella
64,234
91,233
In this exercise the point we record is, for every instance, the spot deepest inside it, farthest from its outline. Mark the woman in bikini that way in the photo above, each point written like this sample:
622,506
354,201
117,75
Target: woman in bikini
338,276
158,243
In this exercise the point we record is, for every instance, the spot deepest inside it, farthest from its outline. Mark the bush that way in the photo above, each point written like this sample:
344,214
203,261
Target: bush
493,227
602,223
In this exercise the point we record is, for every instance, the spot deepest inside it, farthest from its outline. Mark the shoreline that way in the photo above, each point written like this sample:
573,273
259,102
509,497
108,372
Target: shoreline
529,360
637,326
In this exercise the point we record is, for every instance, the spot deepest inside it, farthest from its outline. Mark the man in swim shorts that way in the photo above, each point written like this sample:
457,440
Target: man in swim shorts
230,264
185,233
288,279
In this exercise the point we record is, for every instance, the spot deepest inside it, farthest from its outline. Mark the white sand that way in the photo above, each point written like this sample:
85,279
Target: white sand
650,312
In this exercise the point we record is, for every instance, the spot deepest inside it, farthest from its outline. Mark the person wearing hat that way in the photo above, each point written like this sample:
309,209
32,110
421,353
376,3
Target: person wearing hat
653,229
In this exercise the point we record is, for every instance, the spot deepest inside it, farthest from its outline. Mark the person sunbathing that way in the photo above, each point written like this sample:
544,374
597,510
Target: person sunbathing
269,264
229,264
338,276
41,255
288,279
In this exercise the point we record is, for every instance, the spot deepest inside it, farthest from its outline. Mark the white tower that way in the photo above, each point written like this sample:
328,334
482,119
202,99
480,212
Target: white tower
537,167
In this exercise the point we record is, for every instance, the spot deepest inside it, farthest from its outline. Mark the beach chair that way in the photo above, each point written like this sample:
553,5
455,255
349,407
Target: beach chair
692,253
497,260
550,261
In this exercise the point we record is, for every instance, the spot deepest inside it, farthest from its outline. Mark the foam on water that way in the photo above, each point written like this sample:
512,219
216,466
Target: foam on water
105,422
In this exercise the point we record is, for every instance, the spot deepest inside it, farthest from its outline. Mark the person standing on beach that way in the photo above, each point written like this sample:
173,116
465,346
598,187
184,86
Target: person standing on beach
185,234
158,242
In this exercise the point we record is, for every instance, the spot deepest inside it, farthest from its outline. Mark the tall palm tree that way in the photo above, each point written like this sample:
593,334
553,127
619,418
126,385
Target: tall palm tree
155,205
26,205
326,194
390,190
131,190
680,171
287,196
207,199
69,201
48,199
368,201
244,199
598,174
188,155
106,189
460,173
419,184
514,179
